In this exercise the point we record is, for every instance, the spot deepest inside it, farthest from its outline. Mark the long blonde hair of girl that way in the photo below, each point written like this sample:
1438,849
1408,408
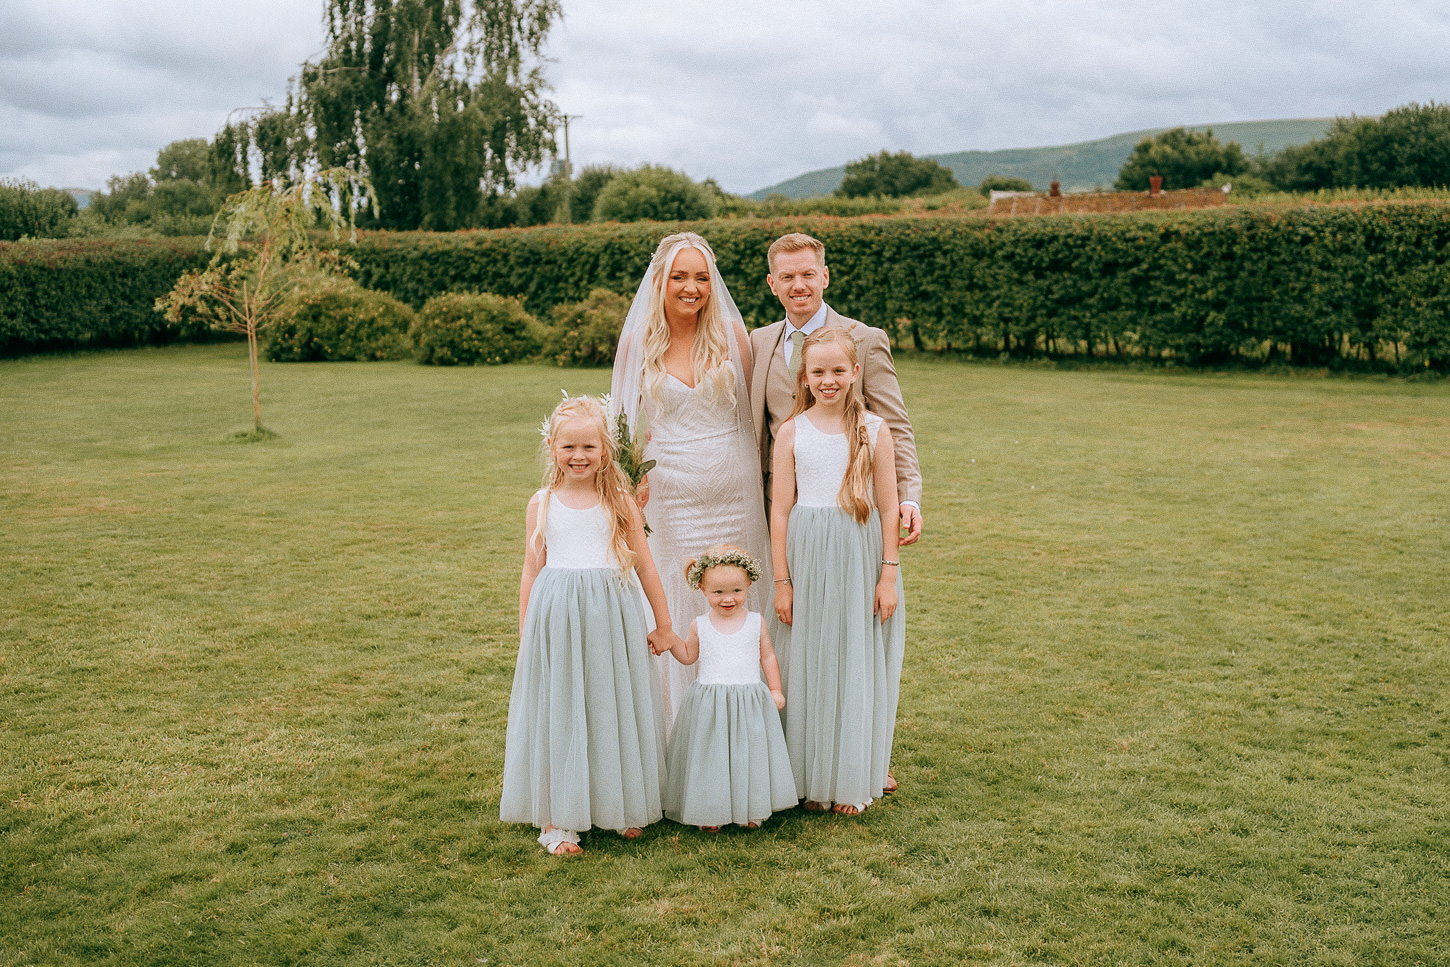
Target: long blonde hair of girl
610,483
710,358
858,486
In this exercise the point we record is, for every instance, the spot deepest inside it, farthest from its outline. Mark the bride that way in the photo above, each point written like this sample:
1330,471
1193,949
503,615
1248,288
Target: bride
680,379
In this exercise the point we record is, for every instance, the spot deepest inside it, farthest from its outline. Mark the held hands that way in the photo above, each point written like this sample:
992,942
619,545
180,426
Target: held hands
662,640
910,522
783,598
779,698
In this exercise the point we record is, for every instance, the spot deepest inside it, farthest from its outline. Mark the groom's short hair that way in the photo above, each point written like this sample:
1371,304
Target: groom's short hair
794,242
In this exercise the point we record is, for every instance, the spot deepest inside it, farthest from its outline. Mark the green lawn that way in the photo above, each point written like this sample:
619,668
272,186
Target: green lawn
1175,689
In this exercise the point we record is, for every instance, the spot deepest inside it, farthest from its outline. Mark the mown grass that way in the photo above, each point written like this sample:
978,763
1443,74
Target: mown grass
1174,692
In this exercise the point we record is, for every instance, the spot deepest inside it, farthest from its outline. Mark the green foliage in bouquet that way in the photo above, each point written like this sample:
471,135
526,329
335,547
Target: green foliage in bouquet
630,455
629,452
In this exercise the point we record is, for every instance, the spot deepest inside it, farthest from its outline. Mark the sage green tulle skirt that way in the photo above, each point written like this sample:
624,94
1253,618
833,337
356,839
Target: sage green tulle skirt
585,744
727,757
840,665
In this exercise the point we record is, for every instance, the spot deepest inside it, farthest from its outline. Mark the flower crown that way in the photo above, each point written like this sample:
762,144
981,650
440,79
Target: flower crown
732,558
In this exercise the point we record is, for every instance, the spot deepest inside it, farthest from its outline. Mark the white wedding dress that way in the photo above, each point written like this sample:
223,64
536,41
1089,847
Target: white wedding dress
700,495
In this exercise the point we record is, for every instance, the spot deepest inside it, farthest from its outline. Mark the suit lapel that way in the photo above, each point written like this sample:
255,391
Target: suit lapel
768,345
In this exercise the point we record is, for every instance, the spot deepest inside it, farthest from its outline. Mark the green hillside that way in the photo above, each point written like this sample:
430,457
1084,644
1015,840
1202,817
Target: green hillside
1080,167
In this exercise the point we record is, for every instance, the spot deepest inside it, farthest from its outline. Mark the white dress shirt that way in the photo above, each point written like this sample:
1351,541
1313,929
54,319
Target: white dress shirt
812,324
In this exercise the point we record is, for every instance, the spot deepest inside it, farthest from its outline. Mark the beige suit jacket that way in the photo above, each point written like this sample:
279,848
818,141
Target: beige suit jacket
772,395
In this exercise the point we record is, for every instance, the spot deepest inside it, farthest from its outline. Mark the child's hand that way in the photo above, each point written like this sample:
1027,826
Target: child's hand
779,697
783,598
657,644
886,597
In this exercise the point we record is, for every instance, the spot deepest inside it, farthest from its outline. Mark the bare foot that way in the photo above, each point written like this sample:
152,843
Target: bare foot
631,833
891,784
558,842
846,809
752,825
811,806
709,829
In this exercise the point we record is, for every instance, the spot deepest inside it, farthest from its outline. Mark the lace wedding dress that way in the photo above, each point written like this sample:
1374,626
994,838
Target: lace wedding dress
700,495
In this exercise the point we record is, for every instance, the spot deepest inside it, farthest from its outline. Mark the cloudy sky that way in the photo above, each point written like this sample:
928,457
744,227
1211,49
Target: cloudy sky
749,92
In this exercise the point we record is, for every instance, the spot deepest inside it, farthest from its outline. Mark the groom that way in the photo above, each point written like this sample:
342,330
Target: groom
798,277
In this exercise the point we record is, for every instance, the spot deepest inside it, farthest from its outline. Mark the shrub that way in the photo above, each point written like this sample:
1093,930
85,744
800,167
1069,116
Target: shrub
466,328
993,183
895,176
332,318
26,209
652,193
585,333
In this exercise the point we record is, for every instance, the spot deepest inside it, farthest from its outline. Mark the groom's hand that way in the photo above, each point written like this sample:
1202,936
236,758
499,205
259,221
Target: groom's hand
911,523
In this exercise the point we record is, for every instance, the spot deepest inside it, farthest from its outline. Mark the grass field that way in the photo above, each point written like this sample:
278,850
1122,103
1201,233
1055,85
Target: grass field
1175,689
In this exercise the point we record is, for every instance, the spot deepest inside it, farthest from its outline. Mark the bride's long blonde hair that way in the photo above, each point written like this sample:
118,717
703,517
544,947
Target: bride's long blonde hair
710,357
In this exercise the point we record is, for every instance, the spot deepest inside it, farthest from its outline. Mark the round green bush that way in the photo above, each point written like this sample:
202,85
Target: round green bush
469,329
585,333
653,193
335,318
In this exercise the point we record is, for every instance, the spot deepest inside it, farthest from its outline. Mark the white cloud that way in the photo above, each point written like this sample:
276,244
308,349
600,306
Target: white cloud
749,92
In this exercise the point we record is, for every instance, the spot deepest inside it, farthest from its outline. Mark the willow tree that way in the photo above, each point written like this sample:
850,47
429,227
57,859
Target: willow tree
262,241
435,101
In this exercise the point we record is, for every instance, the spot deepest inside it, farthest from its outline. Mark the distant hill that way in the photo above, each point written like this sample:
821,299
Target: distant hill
1080,167
81,195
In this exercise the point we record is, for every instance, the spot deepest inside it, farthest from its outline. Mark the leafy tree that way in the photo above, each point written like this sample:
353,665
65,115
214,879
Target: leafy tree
895,176
178,196
437,102
28,209
1183,158
1407,147
585,189
653,192
186,160
264,250
993,183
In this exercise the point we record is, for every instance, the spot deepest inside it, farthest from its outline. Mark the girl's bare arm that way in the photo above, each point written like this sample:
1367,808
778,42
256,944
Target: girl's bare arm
884,471
533,560
782,499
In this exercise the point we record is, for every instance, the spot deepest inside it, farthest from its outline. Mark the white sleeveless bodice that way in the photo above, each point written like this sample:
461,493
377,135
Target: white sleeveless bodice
821,459
729,659
577,538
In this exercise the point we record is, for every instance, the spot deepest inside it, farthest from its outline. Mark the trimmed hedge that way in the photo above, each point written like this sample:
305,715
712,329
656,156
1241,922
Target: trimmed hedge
1318,285
92,293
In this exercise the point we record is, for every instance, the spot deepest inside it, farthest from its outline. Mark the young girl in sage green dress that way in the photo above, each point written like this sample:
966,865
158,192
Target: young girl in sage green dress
585,744
837,581
727,757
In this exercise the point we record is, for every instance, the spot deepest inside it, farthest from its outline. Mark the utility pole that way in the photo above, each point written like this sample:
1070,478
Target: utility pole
568,173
